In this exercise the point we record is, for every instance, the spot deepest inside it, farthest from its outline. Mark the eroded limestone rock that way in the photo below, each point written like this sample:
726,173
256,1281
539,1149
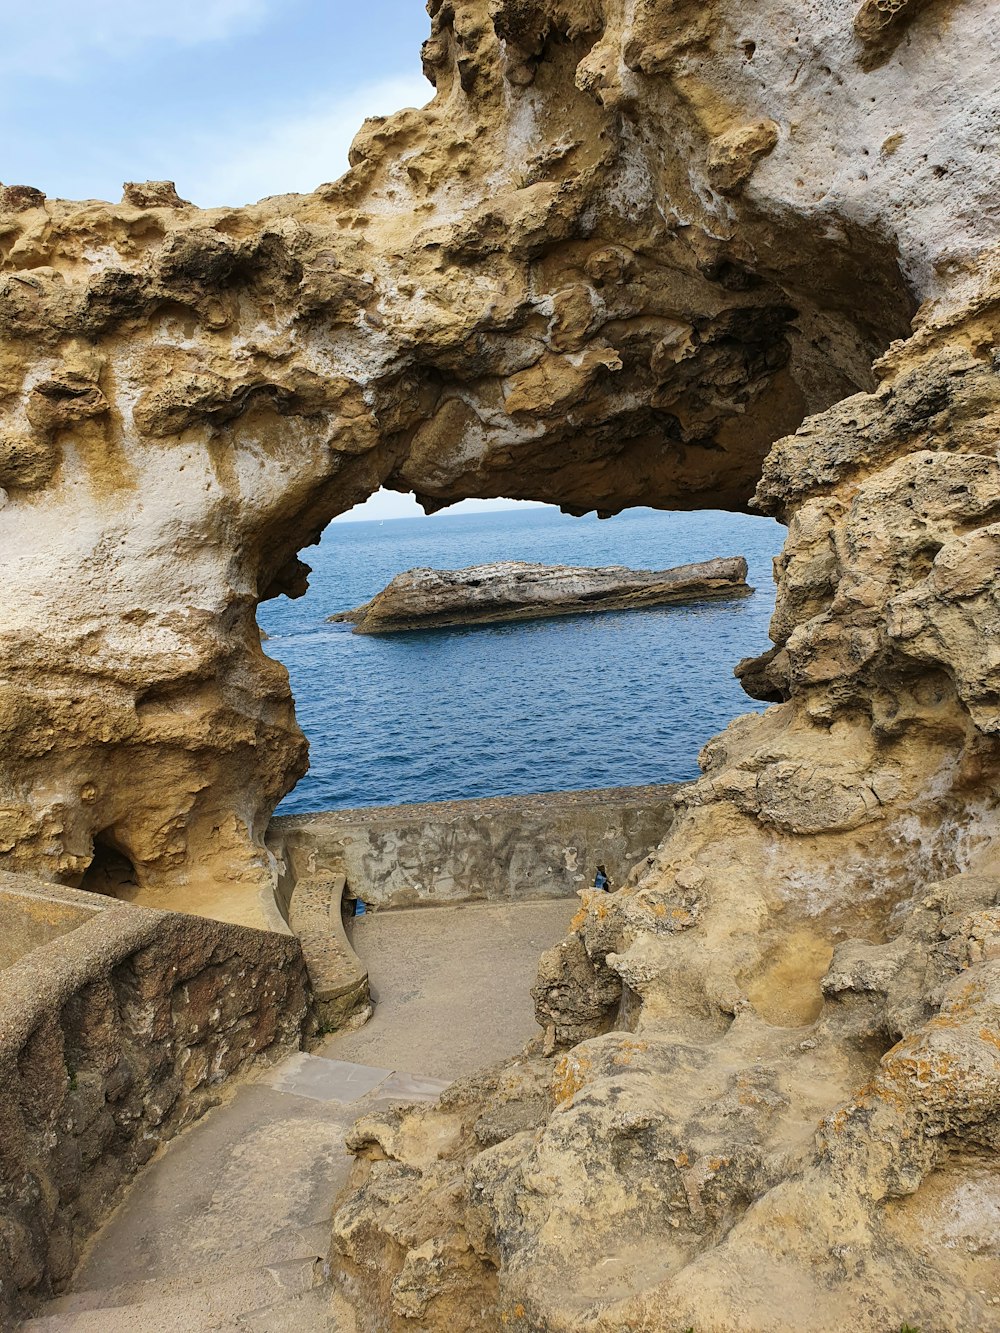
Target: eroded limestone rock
609,264
774,1052
625,250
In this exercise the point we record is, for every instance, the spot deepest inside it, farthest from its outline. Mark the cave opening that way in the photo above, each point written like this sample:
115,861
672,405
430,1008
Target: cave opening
111,872
614,699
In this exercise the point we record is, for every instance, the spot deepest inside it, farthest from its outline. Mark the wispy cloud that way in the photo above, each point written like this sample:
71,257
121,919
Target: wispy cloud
57,40
243,161
391,504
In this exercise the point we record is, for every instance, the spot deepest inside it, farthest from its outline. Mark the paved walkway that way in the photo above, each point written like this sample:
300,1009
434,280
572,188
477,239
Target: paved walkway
451,984
229,1227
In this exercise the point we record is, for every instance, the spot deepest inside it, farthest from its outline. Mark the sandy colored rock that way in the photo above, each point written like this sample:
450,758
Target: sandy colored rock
152,194
531,287
589,272
514,590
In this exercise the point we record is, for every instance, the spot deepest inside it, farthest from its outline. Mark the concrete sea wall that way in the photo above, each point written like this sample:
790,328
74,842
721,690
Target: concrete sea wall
114,1035
538,846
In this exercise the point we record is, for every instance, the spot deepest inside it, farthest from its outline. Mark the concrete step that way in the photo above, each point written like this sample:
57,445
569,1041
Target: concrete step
228,1230
296,1245
214,1305
318,1311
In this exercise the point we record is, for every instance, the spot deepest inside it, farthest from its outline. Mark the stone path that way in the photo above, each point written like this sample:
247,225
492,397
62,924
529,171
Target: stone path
229,1228
452,985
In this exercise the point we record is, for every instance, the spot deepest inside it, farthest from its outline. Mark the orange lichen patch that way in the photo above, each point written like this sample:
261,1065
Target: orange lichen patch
751,1097
836,1123
888,1095
993,1038
569,1076
627,1050
518,1312
874,1093
967,998
933,1069
945,1020
587,898
676,916
679,918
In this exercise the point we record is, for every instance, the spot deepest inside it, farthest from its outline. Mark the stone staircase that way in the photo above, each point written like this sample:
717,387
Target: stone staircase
257,1295
339,978
229,1228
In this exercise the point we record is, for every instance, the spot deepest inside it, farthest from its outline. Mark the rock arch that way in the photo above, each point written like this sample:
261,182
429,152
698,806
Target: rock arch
658,253
518,290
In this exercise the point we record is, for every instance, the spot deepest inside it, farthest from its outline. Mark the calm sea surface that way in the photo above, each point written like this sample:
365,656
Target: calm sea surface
548,705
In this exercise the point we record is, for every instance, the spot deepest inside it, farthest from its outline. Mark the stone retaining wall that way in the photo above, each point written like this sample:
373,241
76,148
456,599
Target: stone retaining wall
539,846
113,1037
338,976
30,920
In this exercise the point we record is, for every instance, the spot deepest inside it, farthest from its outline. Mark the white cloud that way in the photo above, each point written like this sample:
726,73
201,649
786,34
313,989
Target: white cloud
58,40
392,504
241,162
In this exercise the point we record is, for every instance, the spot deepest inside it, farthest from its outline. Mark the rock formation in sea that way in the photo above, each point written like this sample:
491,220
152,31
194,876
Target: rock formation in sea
514,590
670,254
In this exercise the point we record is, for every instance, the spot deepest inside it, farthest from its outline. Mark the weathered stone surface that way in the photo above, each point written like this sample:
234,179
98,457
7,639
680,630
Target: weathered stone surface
514,590
119,1028
504,848
624,250
591,271
338,977
813,943
28,921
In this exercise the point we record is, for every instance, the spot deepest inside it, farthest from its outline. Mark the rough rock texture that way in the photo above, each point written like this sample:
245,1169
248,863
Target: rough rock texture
774,1054
113,1038
615,258
626,249
768,1172
514,590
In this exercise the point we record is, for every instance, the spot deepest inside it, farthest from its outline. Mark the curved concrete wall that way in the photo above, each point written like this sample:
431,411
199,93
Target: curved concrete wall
539,846
113,1037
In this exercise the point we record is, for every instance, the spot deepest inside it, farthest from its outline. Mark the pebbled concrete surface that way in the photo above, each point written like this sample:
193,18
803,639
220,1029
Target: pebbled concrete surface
229,1227
451,985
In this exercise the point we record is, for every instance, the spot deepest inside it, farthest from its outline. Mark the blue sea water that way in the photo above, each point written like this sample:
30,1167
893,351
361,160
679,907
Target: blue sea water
547,705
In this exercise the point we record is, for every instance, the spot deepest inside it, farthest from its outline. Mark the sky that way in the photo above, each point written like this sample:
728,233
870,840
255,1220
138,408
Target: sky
231,99
390,504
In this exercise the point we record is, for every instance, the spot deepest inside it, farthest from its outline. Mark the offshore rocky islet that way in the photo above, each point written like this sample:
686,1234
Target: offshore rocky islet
517,590
673,255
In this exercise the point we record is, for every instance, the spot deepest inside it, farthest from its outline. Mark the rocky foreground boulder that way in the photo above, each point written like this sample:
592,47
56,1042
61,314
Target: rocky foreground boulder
515,590
679,254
